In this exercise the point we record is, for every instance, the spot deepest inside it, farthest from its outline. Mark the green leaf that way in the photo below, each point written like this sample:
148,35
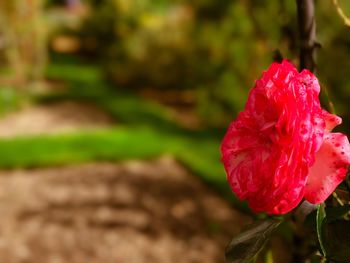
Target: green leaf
333,232
320,216
250,241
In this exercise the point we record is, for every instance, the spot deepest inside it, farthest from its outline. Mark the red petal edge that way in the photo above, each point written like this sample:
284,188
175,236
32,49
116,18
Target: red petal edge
329,169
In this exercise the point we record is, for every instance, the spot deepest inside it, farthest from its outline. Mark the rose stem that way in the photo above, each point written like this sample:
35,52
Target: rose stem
307,34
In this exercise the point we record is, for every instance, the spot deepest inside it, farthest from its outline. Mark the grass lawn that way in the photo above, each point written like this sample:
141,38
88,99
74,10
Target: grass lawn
199,155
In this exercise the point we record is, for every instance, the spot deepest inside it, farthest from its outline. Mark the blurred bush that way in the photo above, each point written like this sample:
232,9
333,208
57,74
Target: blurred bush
22,42
202,54
333,57
211,48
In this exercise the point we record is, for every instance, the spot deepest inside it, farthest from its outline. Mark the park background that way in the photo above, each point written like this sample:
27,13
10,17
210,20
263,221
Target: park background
112,114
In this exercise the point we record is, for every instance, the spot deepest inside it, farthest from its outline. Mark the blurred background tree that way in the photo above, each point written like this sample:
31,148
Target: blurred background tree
23,41
201,55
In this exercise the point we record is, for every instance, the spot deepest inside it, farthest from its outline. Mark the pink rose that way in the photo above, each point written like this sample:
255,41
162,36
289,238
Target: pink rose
280,149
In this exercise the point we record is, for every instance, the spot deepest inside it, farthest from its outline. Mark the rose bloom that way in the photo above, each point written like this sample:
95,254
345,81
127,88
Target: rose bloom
280,149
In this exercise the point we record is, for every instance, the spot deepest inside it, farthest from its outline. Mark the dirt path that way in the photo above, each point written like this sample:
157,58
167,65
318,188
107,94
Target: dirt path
53,118
134,212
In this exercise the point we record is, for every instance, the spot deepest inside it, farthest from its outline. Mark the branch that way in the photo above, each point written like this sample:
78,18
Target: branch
307,34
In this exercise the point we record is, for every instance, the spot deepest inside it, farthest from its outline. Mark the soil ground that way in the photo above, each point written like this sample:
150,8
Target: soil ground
53,118
132,212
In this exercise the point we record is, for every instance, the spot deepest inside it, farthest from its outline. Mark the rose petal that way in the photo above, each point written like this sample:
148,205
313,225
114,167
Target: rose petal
331,120
329,169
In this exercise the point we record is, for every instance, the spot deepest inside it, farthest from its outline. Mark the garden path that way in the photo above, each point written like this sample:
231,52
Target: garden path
128,212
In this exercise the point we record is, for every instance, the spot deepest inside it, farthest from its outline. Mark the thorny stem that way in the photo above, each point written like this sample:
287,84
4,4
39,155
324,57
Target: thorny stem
307,34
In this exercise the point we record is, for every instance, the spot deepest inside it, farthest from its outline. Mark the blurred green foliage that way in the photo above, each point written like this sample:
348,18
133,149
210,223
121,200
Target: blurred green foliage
9,100
213,48
22,42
